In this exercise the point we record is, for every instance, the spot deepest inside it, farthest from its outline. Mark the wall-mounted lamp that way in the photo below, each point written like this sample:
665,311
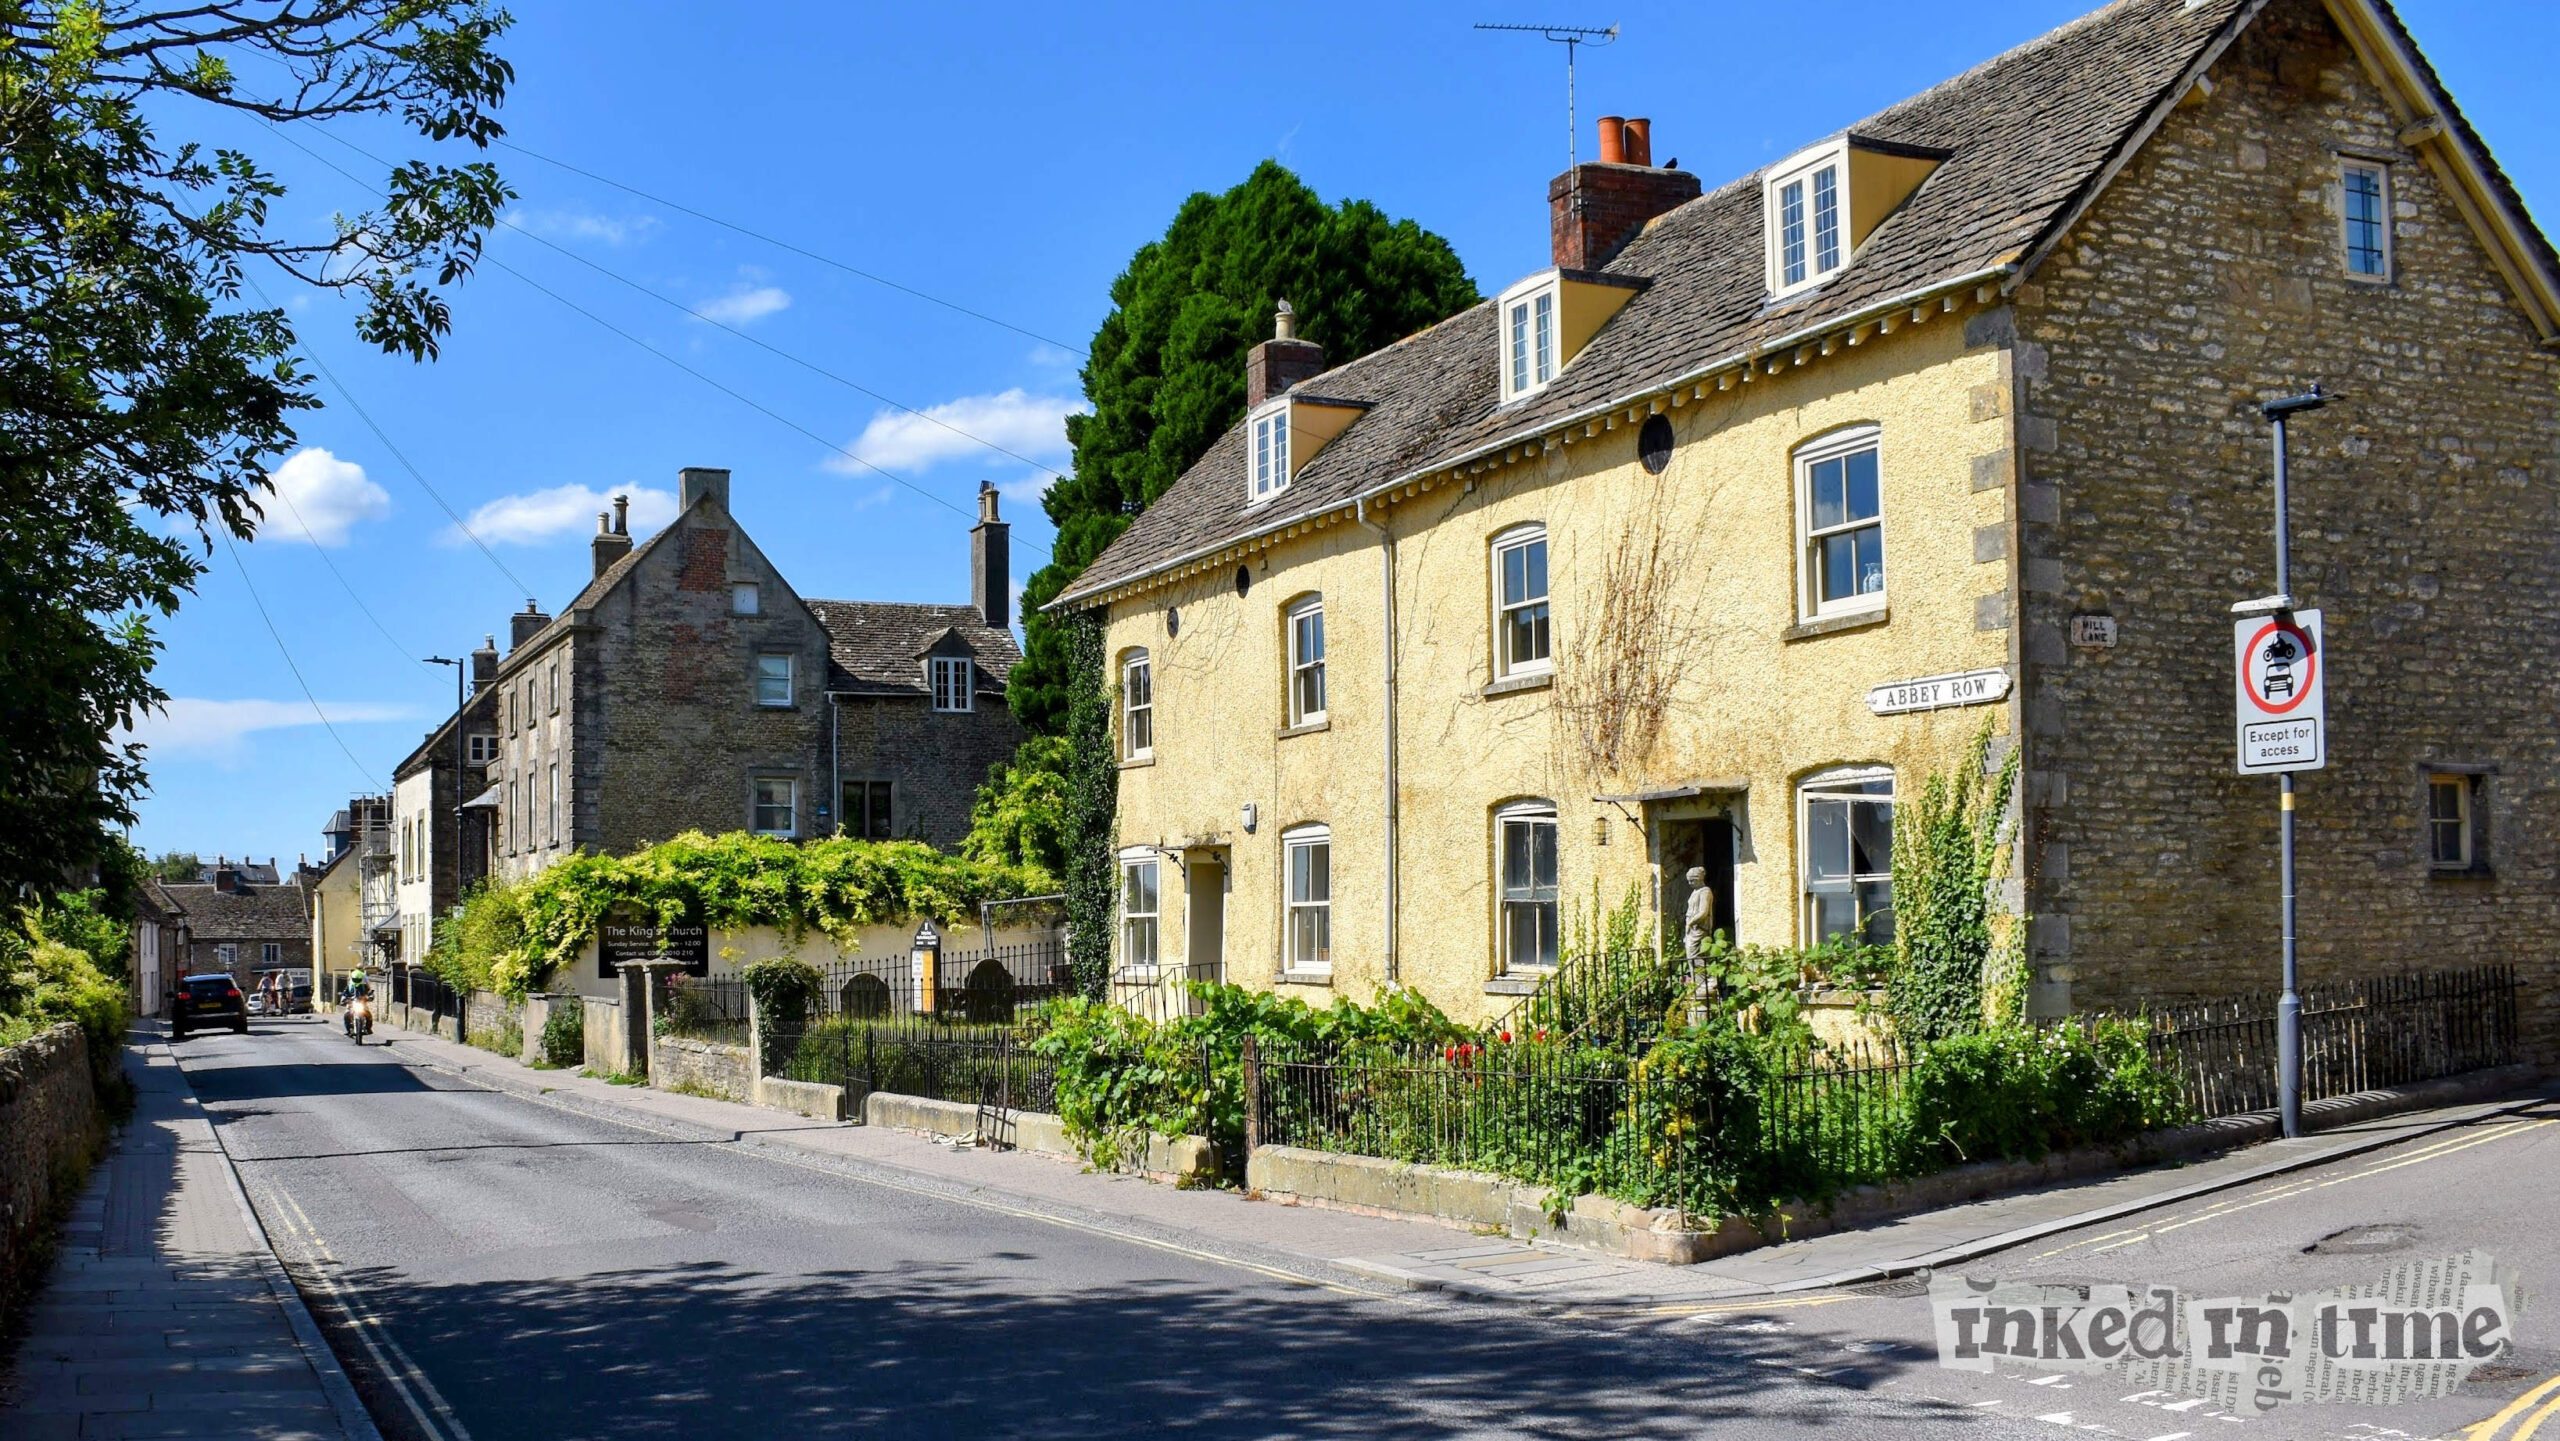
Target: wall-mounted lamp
1252,817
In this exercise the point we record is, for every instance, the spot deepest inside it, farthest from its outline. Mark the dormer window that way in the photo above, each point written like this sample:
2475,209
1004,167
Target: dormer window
1548,318
1529,335
1823,203
1805,216
1270,451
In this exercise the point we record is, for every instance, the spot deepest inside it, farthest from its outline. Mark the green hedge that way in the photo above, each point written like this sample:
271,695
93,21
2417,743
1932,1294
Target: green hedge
63,961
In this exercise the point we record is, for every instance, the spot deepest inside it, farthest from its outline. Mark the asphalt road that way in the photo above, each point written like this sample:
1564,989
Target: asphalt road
496,1266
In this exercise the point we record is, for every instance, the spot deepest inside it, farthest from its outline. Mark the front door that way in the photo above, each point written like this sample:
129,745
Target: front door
1205,903
1705,844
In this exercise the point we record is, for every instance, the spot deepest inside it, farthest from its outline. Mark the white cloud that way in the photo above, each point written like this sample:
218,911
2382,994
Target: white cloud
1032,425
190,727
745,303
563,510
318,497
576,224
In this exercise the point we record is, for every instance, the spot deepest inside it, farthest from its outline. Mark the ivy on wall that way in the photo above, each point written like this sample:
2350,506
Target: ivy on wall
1955,948
1093,802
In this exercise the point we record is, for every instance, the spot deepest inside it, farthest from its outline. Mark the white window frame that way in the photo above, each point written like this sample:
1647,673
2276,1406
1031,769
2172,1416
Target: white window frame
226,955
1306,674
1847,786
2348,165
1135,923
1802,170
2461,784
953,682
480,748
757,805
1306,932
270,953
1529,342
746,597
555,805
790,679
1520,541
553,673
1266,452
1527,816
1809,537
1137,707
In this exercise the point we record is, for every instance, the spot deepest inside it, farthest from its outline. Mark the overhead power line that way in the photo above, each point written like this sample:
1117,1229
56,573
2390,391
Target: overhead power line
281,649
739,396
799,250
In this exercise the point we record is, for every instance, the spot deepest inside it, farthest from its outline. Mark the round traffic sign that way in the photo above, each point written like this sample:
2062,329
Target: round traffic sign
2281,666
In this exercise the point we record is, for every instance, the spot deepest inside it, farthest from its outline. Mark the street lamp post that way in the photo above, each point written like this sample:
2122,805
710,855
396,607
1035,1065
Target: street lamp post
2288,1005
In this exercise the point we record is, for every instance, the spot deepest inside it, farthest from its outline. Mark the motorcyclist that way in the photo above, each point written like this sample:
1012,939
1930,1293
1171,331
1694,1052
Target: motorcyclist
358,989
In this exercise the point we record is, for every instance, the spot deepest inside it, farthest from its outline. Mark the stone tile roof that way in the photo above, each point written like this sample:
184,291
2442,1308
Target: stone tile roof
252,913
2031,131
877,647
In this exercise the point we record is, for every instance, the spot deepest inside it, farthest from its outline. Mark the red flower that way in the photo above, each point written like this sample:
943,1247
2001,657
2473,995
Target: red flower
1506,1038
1542,1033
1449,1053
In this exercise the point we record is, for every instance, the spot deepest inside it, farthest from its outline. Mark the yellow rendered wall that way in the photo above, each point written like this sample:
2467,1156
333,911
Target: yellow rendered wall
1748,702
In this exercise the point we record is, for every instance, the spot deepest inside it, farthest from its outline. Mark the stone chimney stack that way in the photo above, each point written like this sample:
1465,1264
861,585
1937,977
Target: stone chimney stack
1280,362
1595,209
612,541
696,482
226,879
522,625
484,665
991,562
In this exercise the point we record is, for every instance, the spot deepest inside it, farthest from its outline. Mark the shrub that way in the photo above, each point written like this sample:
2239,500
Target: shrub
63,961
782,989
1950,846
2015,1092
564,1032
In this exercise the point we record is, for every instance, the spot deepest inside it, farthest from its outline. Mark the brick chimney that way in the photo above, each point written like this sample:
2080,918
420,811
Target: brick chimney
991,562
613,534
1280,362
484,665
696,482
1595,209
522,625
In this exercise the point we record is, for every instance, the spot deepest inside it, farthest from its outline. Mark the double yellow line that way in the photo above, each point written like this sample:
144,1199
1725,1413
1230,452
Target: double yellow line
2539,1400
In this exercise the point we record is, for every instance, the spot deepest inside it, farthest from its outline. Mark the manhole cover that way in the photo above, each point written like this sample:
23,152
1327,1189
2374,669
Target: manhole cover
1898,1286
2365,1240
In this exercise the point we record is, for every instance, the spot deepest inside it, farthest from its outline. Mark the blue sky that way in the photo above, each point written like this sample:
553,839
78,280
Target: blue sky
1004,159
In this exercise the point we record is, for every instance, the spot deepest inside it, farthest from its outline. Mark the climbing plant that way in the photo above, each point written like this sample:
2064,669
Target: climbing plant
1950,846
1093,799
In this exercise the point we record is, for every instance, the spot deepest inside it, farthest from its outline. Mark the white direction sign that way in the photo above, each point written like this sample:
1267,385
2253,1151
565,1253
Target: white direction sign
1937,692
2283,685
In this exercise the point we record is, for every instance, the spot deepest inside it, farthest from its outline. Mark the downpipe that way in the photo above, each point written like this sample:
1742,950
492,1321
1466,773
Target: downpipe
1387,649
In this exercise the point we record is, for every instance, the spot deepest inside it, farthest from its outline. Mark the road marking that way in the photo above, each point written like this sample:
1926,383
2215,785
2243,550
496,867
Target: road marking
2503,1131
2525,1432
1728,1308
366,1324
2515,1408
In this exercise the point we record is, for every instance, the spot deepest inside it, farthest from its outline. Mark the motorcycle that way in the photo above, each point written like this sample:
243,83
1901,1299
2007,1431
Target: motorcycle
359,1018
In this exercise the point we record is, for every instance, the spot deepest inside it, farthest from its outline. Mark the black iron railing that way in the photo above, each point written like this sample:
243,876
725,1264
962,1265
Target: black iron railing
924,1056
701,1008
988,986
2388,1031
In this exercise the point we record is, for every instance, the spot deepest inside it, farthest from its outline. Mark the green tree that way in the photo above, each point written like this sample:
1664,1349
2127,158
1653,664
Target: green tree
138,388
1020,815
180,867
1166,370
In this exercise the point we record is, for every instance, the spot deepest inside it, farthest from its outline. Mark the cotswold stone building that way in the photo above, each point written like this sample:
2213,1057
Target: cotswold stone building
1701,547
690,687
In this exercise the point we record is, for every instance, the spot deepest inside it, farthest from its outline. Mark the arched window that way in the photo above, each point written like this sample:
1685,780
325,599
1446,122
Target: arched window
1524,853
1137,706
1845,819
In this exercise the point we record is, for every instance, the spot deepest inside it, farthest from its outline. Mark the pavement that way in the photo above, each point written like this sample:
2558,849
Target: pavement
166,1314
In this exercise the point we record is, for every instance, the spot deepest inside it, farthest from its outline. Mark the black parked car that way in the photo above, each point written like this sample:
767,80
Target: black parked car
202,1002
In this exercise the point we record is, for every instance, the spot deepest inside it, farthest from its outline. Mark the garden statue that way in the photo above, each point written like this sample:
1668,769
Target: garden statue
1697,929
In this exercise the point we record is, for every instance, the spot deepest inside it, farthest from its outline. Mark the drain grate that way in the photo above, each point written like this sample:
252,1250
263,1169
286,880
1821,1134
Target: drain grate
1896,1286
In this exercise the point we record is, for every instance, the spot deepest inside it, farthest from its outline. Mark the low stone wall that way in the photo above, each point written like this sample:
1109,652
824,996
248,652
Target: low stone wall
493,1025
50,1130
607,1048
530,1025
683,1063
813,1099
1179,1157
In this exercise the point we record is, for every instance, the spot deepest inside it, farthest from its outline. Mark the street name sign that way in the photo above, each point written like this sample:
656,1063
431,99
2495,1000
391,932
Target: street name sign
1937,692
2282,678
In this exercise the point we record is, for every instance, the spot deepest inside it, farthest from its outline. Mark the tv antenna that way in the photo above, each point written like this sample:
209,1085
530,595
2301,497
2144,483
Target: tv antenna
1572,38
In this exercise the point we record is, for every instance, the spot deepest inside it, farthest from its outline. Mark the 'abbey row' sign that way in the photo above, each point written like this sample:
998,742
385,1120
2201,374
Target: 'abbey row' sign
1938,692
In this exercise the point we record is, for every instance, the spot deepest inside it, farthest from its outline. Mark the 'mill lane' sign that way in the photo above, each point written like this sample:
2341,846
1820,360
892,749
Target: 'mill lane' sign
2283,693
